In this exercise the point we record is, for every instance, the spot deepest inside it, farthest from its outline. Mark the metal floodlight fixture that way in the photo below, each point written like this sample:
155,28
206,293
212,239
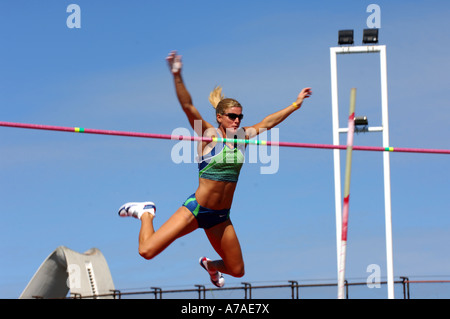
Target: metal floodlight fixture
361,124
361,120
345,37
370,36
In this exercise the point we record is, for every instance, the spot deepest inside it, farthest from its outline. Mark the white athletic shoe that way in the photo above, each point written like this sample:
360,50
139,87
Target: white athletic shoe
216,276
136,210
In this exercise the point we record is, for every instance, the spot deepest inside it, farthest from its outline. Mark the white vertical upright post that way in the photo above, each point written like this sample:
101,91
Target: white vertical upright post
387,173
336,152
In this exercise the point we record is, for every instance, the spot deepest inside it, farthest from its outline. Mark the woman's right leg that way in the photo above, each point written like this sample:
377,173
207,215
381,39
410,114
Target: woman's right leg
152,242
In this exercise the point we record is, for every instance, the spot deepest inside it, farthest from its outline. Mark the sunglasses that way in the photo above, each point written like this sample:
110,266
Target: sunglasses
233,116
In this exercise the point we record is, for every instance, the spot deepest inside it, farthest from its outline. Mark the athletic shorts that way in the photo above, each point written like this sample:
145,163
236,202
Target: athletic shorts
206,217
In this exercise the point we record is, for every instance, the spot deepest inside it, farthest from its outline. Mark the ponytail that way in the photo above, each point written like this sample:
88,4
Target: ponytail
216,96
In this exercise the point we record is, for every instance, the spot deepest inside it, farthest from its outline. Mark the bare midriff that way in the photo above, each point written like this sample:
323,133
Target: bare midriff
215,194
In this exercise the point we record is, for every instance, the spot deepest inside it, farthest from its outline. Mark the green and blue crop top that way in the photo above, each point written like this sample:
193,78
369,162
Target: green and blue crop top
222,163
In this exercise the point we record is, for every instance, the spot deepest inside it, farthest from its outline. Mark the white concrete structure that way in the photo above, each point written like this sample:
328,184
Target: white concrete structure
85,275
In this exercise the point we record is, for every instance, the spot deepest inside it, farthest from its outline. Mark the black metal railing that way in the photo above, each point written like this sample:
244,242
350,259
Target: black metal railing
297,291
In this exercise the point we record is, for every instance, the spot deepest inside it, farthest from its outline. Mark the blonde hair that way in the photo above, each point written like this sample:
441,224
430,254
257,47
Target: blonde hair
220,102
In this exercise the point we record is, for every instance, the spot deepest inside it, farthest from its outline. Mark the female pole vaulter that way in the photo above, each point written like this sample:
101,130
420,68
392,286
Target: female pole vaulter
219,167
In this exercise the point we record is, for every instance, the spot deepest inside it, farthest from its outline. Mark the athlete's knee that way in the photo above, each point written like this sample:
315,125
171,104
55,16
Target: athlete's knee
145,254
237,271
148,252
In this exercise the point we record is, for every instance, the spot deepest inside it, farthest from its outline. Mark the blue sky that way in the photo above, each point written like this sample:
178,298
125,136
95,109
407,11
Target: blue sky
65,189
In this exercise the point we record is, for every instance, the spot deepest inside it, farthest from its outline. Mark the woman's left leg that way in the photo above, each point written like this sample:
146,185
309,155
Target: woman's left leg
224,240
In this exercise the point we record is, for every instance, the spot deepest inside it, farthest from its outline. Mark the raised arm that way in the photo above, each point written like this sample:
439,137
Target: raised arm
276,118
183,95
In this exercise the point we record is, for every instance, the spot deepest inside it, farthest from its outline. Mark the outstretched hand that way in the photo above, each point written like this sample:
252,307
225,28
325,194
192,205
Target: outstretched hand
174,62
304,94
